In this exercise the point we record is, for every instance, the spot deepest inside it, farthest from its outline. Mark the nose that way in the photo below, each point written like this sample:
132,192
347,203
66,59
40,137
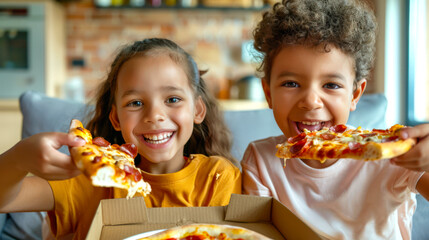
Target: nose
311,100
153,113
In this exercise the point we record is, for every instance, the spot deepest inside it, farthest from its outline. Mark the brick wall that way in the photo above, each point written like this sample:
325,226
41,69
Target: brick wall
212,37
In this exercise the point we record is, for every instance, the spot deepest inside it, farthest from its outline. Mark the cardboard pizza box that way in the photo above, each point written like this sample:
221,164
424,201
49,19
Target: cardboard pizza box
122,218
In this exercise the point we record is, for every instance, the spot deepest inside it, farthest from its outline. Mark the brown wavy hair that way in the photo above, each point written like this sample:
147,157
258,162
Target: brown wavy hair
348,25
211,137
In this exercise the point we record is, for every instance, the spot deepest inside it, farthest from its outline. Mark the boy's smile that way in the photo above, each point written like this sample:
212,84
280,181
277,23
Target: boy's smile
310,88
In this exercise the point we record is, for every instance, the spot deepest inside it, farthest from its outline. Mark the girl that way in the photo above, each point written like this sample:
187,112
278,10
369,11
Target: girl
155,98
316,56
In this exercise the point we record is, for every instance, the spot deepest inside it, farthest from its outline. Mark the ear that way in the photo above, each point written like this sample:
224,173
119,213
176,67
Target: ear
114,120
267,92
360,88
200,110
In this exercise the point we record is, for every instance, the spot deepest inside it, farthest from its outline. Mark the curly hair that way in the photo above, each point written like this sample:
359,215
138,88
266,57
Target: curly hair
211,137
348,25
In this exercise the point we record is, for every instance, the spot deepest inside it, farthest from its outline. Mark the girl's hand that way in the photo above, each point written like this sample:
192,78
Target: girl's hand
39,155
417,158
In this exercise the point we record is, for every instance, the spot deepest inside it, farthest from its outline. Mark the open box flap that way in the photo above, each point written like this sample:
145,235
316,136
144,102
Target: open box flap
239,205
124,211
289,224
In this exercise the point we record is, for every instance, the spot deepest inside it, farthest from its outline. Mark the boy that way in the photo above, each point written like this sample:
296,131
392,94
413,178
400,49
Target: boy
316,57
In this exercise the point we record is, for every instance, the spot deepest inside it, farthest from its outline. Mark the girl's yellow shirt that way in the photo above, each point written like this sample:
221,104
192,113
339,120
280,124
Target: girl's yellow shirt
205,181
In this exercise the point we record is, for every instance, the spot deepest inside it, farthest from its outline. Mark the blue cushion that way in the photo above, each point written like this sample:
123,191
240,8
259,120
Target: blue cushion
45,114
370,112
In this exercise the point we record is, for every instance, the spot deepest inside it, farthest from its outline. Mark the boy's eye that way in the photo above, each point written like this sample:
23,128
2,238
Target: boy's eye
173,100
332,86
291,84
135,104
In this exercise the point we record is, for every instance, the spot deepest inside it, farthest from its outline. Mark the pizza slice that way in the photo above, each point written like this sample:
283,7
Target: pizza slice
105,164
207,232
343,142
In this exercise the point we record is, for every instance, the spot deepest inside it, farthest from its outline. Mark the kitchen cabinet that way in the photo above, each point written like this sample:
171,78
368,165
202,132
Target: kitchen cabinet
47,64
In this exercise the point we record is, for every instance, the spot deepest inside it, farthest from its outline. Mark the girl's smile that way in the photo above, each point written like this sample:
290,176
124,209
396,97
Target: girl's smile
157,140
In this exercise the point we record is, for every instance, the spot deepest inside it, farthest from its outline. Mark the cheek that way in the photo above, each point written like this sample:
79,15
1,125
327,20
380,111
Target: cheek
184,118
340,109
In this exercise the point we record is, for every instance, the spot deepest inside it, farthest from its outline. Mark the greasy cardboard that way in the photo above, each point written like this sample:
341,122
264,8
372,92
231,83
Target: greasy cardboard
122,218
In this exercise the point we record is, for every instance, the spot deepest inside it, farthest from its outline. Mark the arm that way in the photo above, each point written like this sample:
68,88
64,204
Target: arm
423,186
38,155
417,158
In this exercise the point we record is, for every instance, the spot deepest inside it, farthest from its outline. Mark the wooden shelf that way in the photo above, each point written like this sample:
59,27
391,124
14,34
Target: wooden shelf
196,8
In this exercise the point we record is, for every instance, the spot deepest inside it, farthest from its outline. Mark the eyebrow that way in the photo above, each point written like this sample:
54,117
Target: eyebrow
335,75
329,75
287,74
164,89
129,92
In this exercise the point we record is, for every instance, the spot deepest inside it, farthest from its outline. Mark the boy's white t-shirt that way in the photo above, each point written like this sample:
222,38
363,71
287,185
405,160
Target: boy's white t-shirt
348,200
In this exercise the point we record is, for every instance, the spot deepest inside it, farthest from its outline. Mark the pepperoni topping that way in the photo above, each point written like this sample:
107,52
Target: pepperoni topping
298,146
365,135
129,149
99,141
133,172
382,131
390,139
193,237
354,145
296,138
338,128
327,136
96,159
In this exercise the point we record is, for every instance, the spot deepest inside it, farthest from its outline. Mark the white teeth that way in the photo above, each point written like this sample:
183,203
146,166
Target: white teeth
311,123
157,138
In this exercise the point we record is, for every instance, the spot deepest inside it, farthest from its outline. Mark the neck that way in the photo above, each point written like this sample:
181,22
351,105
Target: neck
162,167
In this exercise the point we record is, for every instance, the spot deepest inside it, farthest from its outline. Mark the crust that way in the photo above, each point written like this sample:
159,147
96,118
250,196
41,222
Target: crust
389,149
84,163
213,230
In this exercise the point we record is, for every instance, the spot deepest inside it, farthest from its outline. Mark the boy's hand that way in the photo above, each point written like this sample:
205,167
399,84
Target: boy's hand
418,157
39,155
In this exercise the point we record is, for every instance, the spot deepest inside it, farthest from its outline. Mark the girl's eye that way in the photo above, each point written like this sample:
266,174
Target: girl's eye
291,84
135,104
332,86
173,100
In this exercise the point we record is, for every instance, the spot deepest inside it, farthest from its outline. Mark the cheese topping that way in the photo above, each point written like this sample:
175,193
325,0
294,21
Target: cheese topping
357,135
